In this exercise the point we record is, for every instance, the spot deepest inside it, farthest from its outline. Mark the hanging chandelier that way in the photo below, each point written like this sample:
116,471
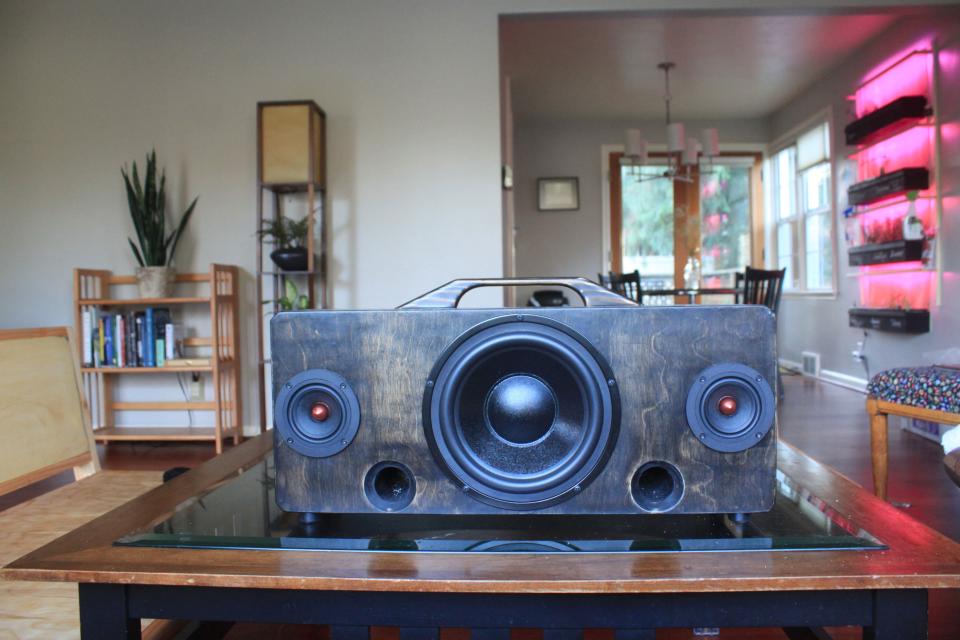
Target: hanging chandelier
682,152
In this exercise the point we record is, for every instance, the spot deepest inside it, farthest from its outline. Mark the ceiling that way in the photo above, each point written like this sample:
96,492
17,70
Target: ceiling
605,67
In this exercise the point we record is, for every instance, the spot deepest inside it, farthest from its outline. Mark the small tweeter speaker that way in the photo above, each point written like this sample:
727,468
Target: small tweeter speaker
317,413
609,408
730,407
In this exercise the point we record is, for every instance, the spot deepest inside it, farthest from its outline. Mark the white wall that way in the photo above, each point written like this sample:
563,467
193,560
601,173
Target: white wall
411,93
821,325
411,96
570,243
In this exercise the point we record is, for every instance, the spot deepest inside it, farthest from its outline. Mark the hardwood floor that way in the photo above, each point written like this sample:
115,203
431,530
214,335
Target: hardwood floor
827,422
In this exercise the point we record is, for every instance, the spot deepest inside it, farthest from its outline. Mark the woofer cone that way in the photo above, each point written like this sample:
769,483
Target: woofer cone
521,412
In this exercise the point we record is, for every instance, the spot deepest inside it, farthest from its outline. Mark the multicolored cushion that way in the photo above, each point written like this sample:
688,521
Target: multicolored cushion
935,388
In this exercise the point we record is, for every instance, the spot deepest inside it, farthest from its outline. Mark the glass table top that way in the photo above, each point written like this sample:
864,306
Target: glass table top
241,513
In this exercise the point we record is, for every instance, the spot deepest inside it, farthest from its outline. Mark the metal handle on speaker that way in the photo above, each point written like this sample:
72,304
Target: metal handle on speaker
448,296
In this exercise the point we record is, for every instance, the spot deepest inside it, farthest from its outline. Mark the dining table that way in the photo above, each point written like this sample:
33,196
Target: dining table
692,293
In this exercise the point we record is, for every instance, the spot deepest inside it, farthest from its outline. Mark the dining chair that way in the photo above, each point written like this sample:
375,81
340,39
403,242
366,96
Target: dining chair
764,287
626,284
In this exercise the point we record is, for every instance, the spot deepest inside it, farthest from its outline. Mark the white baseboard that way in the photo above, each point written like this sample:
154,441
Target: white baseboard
844,380
790,365
826,375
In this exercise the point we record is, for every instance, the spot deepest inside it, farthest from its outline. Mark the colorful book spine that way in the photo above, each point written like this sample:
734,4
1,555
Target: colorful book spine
108,342
149,351
97,341
138,318
129,333
86,335
101,345
168,338
121,344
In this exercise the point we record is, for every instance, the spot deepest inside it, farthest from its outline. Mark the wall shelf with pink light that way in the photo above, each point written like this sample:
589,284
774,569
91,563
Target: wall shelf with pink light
894,220
903,129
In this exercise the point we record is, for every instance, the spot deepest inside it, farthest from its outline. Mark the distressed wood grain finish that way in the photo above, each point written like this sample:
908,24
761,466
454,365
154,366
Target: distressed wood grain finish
655,355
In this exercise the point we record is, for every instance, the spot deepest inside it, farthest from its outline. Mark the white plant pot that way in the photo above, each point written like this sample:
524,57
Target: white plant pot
155,282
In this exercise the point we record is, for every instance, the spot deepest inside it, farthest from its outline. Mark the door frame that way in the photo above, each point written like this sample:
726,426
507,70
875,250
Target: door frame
757,238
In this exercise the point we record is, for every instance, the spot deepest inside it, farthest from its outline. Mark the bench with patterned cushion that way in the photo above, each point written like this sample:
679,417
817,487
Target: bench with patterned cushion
927,393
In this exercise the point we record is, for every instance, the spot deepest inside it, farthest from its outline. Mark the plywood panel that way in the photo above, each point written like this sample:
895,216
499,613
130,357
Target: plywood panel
41,411
44,609
285,139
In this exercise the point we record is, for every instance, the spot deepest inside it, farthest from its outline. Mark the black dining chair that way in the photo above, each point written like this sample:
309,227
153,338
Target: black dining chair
738,285
763,287
626,284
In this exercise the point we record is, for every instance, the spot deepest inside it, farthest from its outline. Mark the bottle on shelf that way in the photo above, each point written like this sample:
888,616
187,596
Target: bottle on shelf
912,225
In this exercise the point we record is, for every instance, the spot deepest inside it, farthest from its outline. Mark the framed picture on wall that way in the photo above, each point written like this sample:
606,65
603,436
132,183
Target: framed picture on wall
558,194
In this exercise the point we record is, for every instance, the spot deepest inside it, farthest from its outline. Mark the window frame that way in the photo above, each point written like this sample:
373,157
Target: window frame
797,220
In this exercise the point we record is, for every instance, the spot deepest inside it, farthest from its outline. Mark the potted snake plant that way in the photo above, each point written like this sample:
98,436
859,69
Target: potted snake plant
155,247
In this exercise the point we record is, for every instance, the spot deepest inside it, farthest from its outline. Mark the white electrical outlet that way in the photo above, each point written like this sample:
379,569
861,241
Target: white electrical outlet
858,355
196,389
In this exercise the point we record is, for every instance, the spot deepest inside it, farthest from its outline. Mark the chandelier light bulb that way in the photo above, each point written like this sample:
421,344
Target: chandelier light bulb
676,137
711,143
636,145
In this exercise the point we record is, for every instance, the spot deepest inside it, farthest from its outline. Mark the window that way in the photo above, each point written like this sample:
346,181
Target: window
647,226
801,211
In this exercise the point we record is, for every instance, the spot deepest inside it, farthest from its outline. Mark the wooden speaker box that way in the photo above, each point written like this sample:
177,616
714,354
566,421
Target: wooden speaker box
610,408
290,143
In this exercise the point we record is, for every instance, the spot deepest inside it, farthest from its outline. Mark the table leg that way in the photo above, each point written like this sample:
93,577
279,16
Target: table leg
879,448
899,614
338,632
103,613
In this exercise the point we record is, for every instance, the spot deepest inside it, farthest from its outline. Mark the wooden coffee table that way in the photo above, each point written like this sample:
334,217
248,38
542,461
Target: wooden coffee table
885,591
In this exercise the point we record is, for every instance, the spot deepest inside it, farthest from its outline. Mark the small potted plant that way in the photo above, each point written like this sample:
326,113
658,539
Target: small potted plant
155,248
289,238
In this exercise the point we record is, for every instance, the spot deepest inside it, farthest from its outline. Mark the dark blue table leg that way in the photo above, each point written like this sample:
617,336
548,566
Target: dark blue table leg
898,614
103,613
338,632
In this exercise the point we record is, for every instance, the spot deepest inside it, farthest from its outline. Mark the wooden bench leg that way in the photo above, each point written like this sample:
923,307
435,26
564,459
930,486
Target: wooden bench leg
879,448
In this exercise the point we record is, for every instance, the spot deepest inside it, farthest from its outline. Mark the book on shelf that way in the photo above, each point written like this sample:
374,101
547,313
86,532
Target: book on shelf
86,331
147,338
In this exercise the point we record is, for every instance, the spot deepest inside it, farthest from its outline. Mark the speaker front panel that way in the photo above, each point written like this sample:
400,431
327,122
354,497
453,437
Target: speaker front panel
567,410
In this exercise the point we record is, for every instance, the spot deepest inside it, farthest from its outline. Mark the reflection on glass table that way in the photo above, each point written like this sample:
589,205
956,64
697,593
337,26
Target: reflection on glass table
242,514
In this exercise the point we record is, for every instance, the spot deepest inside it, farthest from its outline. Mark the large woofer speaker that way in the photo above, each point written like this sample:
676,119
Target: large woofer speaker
521,412
608,408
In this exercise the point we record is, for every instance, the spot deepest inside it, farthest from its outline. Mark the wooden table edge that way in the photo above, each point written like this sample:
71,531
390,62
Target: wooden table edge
415,585
61,559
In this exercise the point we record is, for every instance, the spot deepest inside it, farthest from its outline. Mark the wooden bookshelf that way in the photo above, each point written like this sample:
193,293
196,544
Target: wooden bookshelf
100,289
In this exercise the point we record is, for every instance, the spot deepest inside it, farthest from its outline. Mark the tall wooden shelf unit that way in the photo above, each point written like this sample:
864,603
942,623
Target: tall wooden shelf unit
94,288
291,160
